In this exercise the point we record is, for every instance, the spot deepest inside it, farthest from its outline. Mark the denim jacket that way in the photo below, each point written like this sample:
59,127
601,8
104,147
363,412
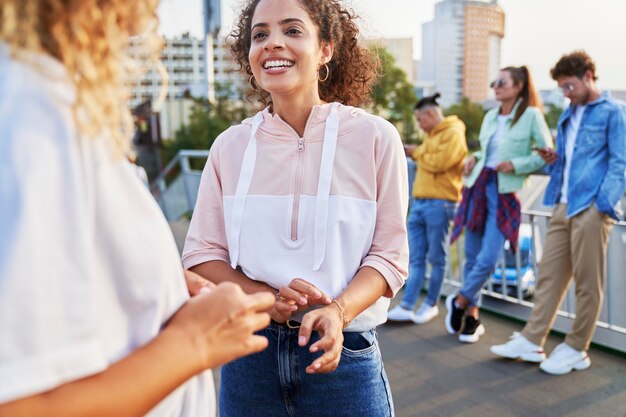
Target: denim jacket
516,146
598,162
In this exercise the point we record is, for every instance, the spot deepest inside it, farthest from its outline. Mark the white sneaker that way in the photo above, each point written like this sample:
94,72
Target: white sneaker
564,359
520,347
399,313
425,313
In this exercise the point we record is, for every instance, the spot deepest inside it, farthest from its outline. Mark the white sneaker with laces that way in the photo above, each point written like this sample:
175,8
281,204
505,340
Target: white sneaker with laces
425,313
398,313
564,359
518,347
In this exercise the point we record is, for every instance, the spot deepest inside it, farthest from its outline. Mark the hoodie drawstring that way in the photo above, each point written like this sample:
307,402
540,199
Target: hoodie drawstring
243,185
323,189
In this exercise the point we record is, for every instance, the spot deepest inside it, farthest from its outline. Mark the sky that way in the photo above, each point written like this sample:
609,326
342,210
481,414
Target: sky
537,32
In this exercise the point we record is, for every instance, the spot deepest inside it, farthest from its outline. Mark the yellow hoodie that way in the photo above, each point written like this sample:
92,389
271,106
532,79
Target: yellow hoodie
440,161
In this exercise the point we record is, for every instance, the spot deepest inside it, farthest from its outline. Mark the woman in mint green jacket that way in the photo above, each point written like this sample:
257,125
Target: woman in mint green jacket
490,209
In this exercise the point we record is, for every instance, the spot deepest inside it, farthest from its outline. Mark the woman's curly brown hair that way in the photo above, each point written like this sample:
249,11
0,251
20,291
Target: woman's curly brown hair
352,70
574,64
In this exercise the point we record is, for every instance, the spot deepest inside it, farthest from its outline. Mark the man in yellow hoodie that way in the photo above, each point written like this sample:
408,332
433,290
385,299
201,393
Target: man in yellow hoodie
437,190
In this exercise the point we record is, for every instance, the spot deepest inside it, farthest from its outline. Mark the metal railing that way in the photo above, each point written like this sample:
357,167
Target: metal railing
176,187
610,326
176,190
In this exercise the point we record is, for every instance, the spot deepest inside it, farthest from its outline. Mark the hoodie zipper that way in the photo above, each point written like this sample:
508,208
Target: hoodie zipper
297,188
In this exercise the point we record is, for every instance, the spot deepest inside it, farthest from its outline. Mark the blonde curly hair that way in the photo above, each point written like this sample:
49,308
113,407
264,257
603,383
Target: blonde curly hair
90,38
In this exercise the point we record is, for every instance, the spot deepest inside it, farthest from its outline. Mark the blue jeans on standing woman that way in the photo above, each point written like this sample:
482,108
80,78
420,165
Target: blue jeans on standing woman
482,250
273,383
428,227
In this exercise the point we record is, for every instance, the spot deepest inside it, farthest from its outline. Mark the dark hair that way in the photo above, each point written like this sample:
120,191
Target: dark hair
352,70
427,101
528,94
574,64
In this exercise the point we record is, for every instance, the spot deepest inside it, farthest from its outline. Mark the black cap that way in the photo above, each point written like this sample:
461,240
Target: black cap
428,101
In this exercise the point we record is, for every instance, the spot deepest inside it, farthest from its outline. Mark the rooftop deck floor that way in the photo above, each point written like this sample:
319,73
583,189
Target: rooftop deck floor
432,374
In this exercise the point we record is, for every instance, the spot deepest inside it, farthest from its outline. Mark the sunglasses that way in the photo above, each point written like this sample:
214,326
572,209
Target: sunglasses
499,83
567,87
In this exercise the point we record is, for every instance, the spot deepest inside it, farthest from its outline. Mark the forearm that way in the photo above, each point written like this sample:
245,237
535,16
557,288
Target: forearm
130,387
367,286
219,271
527,164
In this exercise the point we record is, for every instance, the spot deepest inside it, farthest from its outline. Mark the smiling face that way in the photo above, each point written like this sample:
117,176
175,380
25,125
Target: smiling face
285,51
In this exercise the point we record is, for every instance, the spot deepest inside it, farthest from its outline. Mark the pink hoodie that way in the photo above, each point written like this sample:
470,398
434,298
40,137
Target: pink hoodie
318,207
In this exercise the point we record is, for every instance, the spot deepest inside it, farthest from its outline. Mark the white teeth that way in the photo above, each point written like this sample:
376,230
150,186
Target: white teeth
277,64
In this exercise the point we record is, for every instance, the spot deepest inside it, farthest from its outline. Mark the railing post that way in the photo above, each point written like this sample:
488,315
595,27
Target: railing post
185,169
162,190
518,273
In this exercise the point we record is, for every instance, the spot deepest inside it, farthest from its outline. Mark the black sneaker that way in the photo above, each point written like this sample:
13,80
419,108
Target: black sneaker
454,318
472,330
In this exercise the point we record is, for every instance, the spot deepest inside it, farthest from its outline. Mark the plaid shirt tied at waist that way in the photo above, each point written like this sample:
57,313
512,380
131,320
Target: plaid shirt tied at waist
508,216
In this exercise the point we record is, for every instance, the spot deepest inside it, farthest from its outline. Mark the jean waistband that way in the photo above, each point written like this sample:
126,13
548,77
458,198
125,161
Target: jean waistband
288,325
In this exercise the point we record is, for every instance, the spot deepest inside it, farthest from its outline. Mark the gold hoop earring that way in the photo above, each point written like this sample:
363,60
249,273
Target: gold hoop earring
252,83
327,73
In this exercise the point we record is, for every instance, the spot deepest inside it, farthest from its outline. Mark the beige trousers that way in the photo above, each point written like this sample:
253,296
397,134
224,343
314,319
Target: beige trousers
573,247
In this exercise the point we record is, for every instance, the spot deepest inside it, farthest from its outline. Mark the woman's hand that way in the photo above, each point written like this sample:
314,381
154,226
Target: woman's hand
299,295
197,284
328,322
469,165
505,167
220,324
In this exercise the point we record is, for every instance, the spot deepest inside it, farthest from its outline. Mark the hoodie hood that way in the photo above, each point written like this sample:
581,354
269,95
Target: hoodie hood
450,122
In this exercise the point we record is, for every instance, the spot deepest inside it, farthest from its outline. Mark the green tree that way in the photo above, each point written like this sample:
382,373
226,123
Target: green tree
472,115
393,97
553,113
208,120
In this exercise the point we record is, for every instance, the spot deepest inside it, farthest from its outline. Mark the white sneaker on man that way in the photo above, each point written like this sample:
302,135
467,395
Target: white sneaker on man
425,313
399,313
564,359
518,347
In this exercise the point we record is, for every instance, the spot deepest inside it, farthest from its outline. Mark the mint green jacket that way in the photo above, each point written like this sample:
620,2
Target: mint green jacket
515,146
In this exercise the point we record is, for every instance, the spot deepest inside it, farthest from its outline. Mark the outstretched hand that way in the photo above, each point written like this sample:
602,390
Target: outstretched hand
220,324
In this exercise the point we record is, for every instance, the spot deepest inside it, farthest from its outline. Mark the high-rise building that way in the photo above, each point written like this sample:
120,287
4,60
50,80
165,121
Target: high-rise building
183,58
461,49
212,25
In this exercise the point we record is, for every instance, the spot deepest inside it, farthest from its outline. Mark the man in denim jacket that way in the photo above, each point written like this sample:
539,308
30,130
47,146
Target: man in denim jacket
586,185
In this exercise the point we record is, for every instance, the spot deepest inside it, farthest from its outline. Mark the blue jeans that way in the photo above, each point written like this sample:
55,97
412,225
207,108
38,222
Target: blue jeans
482,250
428,228
273,383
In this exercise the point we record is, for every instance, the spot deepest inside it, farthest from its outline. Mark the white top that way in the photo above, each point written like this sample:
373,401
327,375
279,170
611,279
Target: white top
571,131
492,149
89,270
281,206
